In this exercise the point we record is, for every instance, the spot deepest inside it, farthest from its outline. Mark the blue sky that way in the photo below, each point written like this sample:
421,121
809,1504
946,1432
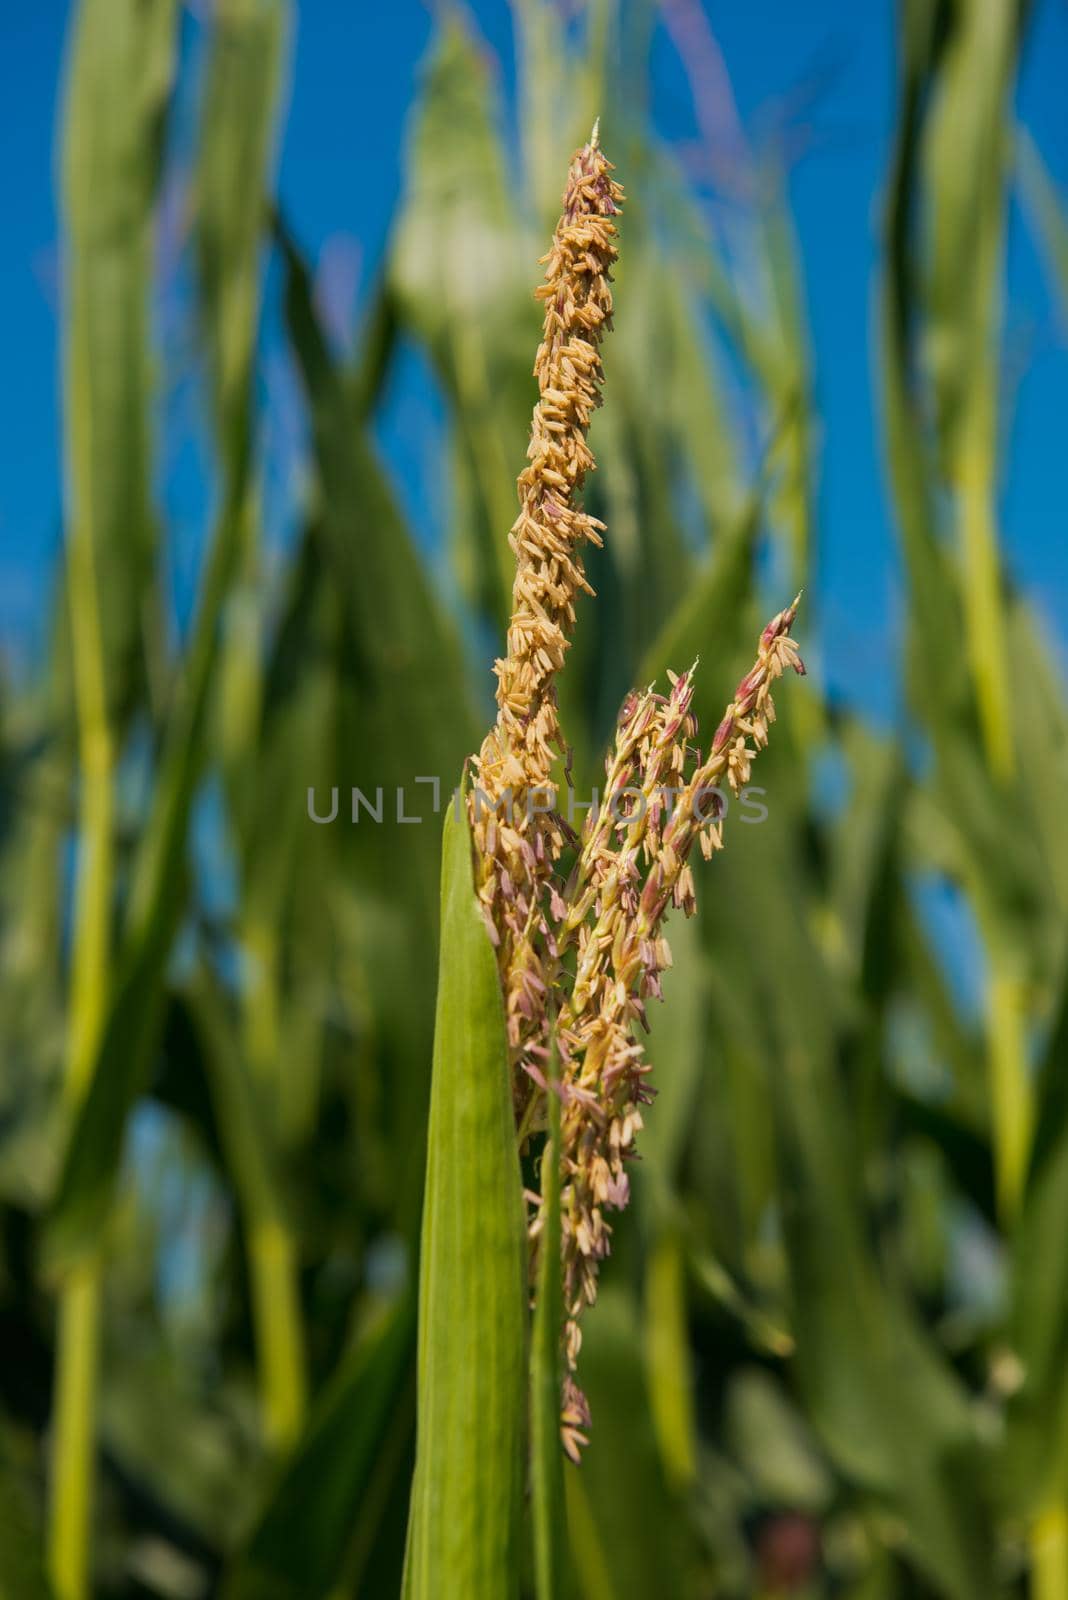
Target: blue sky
352,81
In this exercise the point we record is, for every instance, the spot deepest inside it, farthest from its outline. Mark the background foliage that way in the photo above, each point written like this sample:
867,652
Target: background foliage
830,1353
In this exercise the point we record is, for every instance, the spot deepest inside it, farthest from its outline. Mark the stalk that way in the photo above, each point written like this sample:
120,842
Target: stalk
1049,1554
279,1333
273,1260
1010,1085
77,1360
78,1312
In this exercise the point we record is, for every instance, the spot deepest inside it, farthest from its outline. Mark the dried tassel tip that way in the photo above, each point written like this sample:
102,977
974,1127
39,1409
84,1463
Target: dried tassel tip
515,763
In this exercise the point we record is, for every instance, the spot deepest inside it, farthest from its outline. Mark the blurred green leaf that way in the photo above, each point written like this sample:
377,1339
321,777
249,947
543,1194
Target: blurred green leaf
298,1544
112,147
677,1035
625,1522
710,617
669,1368
561,92
1036,1458
234,163
22,1573
249,1153
678,1038
888,1408
964,165
774,1445
123,1056
865,843
458,273
1042,731
403,714
411,703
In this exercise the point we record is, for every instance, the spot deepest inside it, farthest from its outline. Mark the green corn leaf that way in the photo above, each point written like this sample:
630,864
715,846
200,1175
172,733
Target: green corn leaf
774,1443
297,710
964,166
676,1049
403,712
1036,1457
458,272
314,1513
22,1573
864,847
94,1153
942,686
1041,715
155,1431
119,88
947,230
889,1410
546,1376
774,339
412,705
561,91
235,152
710,617
637,575
246,1145
630,1537
965,201
668,1363
463,1532
121,65
698,407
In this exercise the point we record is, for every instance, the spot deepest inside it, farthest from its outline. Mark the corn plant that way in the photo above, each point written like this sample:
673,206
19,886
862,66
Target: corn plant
344,1249
496,1031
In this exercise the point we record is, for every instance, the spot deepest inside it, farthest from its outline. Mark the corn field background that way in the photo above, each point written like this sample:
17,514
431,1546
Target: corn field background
830,1352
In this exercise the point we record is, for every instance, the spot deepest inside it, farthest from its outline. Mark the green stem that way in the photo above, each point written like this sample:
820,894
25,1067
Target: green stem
78,1314
1012,1115
279,1330
77,1354
1010,1089
273,1251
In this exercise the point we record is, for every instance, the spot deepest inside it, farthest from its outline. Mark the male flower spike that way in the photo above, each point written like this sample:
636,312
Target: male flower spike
631,865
